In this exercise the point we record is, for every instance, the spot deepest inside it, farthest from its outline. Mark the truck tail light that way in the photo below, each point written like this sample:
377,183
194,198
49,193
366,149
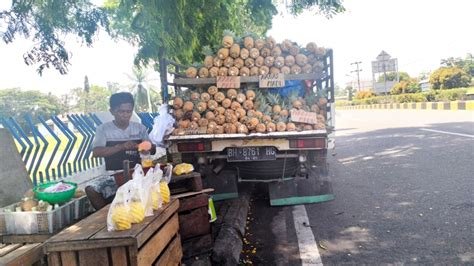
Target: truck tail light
194,146
312,143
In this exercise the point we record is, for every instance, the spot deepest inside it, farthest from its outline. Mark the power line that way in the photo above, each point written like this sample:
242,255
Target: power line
357,70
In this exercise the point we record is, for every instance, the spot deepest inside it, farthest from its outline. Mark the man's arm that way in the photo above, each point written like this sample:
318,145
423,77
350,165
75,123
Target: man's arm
108,151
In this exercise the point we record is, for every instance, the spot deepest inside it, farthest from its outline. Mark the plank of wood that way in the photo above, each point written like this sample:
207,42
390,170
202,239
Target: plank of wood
25,255
93,257
119,256
175,178
84,229
172,255
36,238
194,223
54,259
9,248
157,243
142,231
248,79
189,203
69,258
188,194
88,244
132,254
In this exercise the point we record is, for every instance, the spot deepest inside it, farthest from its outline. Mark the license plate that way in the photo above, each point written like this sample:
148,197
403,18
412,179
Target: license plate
242,154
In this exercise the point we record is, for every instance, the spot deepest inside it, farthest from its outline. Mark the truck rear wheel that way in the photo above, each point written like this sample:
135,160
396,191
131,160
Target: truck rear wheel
264,170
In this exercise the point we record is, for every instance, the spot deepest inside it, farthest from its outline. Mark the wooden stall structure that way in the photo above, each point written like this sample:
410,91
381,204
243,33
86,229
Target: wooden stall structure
21,254
194,226
155,241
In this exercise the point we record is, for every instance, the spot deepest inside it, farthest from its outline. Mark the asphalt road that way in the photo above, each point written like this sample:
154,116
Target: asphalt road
404,185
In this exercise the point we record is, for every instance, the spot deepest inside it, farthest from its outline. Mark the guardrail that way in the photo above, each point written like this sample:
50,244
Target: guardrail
58,147
454,106
55,148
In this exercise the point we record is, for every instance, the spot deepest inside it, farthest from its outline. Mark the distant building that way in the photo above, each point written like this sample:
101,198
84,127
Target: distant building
425,85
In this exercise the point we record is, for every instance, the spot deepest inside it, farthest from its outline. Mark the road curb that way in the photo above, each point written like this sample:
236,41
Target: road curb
452,106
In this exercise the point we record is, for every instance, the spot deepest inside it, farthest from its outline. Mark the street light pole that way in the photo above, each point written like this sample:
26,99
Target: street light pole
357,70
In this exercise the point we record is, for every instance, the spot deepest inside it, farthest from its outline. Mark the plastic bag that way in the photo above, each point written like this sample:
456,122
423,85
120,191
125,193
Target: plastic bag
164,188
141,190
156,199
183,168
163,125
118,217
291,87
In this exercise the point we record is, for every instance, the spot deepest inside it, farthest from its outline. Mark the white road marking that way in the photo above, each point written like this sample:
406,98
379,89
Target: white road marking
447,132
308,248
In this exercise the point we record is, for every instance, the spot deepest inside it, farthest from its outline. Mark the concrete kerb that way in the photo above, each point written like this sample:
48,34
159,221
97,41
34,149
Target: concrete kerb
451,106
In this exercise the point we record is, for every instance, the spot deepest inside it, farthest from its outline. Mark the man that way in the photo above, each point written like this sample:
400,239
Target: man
116,141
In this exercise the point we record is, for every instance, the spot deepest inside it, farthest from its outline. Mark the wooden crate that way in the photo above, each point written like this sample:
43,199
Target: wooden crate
193,216
185,183
154,241
21,254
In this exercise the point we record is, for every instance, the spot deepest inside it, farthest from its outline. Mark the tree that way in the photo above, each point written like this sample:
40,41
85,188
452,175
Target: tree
97,99
163,28
406,86
449,77
141,89
16,103
392,76
466,64
350,92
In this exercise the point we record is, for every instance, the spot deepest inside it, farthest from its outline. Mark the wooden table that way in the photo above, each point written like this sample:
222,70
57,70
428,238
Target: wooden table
21,254
155,241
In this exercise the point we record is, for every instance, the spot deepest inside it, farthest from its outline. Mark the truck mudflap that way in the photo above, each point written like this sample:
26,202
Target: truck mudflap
301,190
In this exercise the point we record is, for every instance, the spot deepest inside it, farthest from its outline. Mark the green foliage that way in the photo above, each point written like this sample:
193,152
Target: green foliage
449,77
466,64
96,100
45,22
457,94
16,103
392,76
180,29
175,29
451,95
364,94
410,85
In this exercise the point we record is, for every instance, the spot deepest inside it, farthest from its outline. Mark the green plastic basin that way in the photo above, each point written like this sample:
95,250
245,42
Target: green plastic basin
54,197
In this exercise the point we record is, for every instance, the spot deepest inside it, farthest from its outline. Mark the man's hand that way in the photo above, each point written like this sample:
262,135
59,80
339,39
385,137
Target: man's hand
129,145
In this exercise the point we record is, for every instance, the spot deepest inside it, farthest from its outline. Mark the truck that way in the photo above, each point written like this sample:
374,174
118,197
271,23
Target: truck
292,163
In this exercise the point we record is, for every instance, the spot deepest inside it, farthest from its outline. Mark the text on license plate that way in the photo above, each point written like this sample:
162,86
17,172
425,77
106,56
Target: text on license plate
235,154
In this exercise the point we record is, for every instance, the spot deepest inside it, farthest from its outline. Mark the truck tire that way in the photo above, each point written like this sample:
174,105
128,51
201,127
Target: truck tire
265,170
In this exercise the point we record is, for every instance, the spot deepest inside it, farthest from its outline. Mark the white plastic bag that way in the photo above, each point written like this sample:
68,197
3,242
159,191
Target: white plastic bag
156,199
141,189
118,217
163,125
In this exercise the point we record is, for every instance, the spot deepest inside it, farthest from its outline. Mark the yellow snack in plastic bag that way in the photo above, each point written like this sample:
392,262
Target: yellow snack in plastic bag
137,211
165,192
121,218
183,168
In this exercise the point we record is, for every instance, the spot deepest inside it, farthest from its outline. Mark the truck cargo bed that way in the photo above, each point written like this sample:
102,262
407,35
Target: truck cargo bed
321,132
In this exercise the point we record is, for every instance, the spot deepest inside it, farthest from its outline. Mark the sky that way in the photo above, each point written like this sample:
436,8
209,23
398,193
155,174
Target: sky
419,33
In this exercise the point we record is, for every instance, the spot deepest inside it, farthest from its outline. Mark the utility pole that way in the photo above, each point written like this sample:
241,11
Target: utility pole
357,70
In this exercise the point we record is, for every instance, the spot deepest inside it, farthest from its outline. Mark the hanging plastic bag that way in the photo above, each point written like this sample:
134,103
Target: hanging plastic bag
164,188
163,125
156,199
142,186
118,217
